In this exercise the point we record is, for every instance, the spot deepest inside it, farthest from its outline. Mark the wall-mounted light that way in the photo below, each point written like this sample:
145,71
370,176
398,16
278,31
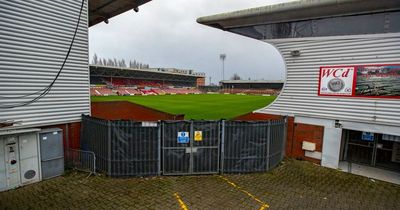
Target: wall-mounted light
295,53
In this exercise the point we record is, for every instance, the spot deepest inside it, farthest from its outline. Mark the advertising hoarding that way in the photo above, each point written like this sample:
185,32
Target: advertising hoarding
336,81
379,81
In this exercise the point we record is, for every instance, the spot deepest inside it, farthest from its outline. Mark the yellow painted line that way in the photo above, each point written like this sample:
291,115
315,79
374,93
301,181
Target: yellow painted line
180,201
263,204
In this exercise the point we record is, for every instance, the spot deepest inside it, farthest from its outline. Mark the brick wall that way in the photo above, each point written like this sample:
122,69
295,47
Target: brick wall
71,138
309,133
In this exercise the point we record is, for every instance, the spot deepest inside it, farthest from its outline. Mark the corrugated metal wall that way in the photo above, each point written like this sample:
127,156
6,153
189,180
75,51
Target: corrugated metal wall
34,40
300,93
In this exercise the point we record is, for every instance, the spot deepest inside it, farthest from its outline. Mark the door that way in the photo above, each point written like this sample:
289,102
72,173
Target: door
176,148
190,147
360,147
29,160
377,150
388,152
205,147
51,153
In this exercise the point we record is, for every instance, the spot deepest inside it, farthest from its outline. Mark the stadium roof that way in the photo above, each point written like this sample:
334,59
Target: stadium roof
151,70
101,10
301,11
251,81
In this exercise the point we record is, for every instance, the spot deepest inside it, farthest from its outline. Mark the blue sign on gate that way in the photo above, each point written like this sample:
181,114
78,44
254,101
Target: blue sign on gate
183,137
367,136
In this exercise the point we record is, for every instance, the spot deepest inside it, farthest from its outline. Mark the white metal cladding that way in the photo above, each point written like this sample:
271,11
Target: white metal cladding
34,40
299,96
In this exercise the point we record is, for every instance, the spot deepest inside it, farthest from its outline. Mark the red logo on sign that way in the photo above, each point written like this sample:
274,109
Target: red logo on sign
335,72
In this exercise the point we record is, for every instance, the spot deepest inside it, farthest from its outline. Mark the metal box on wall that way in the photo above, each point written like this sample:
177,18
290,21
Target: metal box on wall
52,152
19,158
29,158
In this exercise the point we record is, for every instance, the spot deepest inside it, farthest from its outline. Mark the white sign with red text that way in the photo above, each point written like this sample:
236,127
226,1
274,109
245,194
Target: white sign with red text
336,81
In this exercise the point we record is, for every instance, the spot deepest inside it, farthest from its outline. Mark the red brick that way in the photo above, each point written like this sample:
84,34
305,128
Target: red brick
72,140
310,133
259,116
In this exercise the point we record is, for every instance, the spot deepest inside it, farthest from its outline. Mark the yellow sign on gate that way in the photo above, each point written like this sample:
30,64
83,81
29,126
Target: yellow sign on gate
198,135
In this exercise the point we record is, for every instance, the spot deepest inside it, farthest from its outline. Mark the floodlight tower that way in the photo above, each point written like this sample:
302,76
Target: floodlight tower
222,57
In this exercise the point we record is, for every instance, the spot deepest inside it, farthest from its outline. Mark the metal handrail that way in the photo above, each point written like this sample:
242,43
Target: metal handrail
91,170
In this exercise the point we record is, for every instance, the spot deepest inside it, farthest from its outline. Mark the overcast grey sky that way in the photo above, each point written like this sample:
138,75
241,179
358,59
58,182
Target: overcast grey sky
165,34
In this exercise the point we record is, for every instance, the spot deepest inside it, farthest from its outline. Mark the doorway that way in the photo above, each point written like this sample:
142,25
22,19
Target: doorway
372,149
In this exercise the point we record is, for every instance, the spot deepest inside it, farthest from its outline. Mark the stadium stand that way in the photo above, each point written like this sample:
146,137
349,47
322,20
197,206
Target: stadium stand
97,81
252,91
106,80
101,91
95,92
124,82
127,91
264,87
159,91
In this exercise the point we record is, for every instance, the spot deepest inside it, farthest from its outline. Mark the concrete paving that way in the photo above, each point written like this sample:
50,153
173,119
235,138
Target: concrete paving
371,172
292,185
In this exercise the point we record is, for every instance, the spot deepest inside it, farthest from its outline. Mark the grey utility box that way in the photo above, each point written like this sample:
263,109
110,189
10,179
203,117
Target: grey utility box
52,152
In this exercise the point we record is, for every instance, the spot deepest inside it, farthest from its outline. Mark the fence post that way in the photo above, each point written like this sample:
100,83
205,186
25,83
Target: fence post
191,139
159,147
268,143
109,147
222,135
162,146
94,163
284,136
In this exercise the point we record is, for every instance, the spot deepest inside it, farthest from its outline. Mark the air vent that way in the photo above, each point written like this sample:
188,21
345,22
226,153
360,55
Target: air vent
30,174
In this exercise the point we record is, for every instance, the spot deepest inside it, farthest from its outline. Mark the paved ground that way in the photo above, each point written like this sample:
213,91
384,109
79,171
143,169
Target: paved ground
293,185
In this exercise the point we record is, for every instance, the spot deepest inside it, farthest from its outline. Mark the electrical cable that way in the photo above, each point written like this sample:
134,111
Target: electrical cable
46,89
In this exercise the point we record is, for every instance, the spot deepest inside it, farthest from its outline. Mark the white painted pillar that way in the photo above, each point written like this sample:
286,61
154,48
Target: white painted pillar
331,147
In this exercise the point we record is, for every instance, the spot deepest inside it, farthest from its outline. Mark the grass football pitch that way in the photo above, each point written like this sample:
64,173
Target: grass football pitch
203,106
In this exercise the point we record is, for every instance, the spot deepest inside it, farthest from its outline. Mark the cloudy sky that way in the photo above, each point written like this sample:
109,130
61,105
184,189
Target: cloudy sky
165,34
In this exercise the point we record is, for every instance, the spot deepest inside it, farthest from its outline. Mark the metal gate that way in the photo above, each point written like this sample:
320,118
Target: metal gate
129,148
191,147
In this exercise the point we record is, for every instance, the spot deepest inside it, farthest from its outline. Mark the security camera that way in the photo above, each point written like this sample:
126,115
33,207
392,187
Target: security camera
136,9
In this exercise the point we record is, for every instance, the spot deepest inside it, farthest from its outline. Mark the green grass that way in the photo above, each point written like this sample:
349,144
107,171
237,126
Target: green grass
208,107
